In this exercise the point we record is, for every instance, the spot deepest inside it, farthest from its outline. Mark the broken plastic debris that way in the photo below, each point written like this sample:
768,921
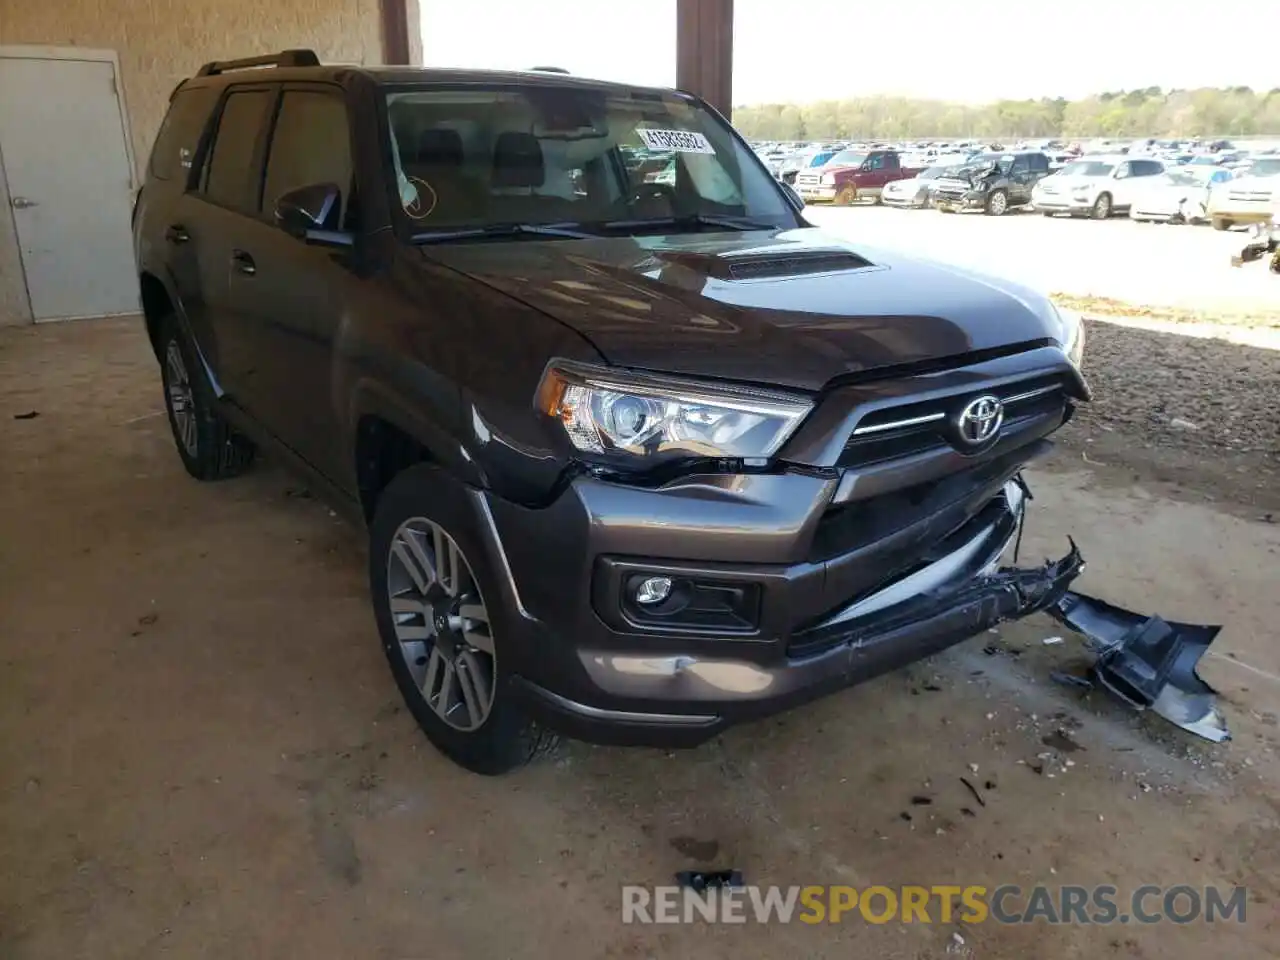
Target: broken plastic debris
1149,662
1050,641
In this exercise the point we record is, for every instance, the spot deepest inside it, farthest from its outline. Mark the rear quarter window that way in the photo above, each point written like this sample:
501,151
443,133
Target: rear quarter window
179,135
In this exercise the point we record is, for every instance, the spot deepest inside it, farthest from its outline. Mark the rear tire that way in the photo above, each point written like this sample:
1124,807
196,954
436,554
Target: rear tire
500,737
210,449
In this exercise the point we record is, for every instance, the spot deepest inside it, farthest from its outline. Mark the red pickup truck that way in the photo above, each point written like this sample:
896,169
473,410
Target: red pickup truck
853,175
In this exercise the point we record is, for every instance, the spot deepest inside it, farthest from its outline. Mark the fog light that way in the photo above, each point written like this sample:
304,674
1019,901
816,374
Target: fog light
653,590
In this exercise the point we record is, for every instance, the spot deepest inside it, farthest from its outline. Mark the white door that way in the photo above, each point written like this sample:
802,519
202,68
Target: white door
62,146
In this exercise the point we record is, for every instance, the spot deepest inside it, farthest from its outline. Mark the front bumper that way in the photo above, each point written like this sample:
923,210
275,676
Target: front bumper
969,200
816,193
823,624
1061,203
914,200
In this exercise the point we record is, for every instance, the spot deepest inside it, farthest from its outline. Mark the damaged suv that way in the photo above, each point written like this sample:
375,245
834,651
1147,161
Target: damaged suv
638,460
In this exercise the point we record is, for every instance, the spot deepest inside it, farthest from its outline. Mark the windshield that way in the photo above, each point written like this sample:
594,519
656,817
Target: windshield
1087,168
1267,167
933,173
1181,179
471,157
848,158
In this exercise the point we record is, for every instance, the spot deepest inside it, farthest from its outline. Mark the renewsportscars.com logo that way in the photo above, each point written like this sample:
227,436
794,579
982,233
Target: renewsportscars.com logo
1008,904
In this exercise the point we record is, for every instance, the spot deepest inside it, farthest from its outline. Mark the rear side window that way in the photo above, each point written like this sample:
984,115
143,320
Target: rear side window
311,145
1039,163
231,168
180,132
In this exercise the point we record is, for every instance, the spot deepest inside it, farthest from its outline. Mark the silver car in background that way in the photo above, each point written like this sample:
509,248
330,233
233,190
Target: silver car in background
917,192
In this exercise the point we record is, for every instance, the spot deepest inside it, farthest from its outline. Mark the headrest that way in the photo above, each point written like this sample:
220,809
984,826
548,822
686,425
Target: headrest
517,161
440,148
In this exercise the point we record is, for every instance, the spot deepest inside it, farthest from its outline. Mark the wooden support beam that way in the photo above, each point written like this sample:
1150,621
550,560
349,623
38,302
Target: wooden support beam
704,50
401,32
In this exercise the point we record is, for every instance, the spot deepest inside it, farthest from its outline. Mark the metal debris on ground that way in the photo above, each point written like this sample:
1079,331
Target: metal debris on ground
1070,680
1149,662
702,880
29,415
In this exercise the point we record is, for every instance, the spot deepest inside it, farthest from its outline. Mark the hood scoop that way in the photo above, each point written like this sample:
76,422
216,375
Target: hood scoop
769,266
795,264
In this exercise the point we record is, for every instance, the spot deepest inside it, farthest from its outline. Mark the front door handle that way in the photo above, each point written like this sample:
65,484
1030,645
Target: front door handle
22,203
243,262
177,233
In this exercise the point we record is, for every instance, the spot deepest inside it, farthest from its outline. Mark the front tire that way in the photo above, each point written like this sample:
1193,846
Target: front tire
997,204
436,602
847,196
1221,223
210,449
1101,207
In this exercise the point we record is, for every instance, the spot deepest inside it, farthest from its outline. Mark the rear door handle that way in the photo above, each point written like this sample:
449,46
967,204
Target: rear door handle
243,262
177,234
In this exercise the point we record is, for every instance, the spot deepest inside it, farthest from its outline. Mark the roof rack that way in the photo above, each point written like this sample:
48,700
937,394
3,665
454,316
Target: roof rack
285,58
549,70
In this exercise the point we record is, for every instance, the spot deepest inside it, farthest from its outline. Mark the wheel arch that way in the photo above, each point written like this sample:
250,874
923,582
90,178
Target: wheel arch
388,434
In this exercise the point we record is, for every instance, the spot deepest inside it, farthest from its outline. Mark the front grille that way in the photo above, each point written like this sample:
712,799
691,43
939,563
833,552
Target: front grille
810,179
914,428
1249,196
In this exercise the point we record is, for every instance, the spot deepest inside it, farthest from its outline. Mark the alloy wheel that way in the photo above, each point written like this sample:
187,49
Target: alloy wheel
442,624
181,397
999,204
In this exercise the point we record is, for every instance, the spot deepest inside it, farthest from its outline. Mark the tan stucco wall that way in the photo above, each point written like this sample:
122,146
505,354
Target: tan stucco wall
158,43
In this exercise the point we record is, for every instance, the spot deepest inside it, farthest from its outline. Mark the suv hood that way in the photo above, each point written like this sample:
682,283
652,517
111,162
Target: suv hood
793,308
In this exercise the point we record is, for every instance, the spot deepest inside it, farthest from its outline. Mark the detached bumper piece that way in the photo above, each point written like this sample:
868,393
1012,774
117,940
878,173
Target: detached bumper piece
1148,662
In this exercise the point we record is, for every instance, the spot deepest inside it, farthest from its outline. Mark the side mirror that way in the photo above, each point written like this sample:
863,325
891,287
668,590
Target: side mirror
307,214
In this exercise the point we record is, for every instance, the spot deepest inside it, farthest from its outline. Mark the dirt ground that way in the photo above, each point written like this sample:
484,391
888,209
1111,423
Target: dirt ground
204,754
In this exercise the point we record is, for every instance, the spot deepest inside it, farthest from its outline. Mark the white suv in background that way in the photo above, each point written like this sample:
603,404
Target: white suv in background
1095,186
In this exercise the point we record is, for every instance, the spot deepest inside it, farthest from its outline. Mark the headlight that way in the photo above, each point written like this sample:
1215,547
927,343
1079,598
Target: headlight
828,179
628,417
1072,338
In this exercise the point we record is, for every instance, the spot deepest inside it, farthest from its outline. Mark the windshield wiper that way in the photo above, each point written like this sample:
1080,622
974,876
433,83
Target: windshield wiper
725,222
499,230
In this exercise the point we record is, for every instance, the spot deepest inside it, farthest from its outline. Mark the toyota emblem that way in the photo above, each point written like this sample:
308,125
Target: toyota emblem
980,420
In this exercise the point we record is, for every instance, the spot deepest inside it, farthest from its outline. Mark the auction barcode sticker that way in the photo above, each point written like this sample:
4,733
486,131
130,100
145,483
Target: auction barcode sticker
681,141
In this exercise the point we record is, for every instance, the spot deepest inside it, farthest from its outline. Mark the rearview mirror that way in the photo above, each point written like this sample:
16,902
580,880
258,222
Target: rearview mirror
310,214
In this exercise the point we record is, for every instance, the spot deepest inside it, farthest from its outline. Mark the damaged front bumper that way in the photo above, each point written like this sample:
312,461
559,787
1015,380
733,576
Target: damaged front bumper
668,693
1148,662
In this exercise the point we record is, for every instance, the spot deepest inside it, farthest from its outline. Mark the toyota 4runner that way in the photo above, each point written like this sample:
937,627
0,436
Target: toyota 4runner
637,459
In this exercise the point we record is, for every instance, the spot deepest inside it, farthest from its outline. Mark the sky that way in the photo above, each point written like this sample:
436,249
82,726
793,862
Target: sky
809,50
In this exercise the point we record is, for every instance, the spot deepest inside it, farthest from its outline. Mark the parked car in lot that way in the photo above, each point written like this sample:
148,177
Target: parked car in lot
1247,198
637,461
1179,195
914,192
810,160
853,175
991,182
1095,186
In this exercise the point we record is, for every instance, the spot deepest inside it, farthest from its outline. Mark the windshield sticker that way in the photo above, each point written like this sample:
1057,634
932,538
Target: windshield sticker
681,141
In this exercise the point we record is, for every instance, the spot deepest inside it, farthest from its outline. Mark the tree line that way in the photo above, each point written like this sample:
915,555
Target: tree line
1150,112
